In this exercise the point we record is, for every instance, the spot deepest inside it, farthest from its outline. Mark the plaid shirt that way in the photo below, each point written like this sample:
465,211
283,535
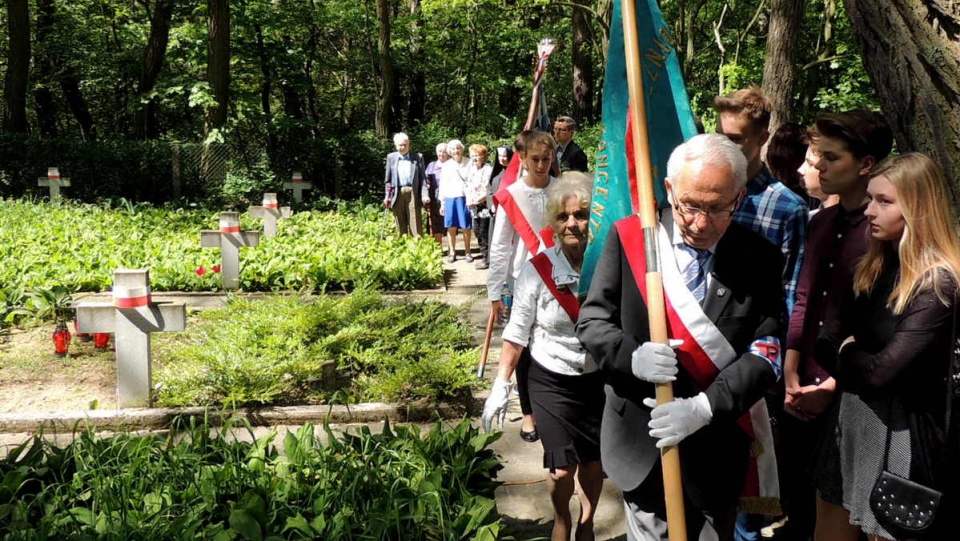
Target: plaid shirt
780,216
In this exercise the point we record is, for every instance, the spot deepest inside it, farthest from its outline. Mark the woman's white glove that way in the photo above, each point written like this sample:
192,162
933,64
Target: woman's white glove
496,404
674,421
655,362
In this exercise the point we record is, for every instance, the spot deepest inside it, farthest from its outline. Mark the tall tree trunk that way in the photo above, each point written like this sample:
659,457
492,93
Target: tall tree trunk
583,82
911,50
825,49
218,62
417,81
18,67
145,121
70,86
43,98
779,69
388,79
266,88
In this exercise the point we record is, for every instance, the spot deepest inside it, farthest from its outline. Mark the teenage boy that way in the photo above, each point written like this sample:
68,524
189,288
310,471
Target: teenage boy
850,145
769,207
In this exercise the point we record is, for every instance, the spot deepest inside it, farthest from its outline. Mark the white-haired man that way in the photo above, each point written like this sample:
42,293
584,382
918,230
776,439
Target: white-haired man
405,187
725,300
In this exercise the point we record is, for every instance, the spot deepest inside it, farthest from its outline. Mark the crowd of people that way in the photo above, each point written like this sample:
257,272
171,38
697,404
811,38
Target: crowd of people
811,309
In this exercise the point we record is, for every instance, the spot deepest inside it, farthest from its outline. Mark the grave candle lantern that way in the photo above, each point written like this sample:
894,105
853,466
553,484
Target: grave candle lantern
61,339
101,340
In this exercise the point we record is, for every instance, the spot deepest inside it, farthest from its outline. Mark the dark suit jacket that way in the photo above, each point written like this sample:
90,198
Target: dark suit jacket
392,179
574,158
744,300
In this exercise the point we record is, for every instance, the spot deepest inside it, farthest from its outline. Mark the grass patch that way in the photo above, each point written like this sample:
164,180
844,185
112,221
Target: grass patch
274,351
395,485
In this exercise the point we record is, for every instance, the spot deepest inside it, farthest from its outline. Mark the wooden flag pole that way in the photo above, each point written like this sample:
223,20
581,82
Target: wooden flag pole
656,307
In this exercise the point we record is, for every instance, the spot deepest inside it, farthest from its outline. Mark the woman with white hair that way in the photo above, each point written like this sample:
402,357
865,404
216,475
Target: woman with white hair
565,384
433,189
453,197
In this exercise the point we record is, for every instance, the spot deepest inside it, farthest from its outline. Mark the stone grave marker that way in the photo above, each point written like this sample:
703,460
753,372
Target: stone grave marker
298,186
54,182
229,239
132,317
271,212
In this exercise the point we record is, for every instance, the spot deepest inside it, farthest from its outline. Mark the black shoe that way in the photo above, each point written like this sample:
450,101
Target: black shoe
529,437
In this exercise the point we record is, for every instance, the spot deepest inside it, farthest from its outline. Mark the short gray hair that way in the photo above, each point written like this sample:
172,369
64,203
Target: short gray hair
712,149
441,147
454,143
400,136
570,184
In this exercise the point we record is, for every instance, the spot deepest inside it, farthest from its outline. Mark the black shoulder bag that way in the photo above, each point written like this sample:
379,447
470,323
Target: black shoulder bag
903,507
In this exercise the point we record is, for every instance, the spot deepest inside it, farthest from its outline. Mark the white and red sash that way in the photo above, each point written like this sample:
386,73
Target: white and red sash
704,353
544,264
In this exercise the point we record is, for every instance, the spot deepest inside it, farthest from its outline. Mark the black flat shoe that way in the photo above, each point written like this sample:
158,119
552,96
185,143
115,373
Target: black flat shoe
529,437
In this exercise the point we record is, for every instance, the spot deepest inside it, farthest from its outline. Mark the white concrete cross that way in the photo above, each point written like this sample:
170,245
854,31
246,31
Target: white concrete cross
271,212
298,185
54,181
229,239
132,316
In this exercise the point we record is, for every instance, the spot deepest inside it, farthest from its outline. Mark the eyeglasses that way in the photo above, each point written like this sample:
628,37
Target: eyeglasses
713,215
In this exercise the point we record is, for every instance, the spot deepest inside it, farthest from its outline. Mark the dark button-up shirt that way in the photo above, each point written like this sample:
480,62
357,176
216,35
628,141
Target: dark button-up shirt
836,240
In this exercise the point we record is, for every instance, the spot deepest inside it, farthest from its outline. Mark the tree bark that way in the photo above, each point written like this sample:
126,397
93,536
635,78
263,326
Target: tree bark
70,86
417,81
779,68
583,80
44,101
145,119
18,67
266,89
218,62
911,51
388,78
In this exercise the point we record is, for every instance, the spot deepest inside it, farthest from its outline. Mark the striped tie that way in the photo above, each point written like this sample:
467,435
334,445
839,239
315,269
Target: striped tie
694,275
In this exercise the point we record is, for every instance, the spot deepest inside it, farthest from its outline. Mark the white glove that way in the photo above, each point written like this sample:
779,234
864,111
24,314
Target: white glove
655,362
496,404
674,421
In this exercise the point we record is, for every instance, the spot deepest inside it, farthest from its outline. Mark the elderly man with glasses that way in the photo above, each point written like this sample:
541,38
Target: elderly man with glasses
724,308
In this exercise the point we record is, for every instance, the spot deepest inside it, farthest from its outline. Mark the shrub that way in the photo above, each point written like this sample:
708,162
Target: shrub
194,484
273,351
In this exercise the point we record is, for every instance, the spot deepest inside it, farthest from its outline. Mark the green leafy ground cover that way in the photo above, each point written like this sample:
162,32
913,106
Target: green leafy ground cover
79,246
273,351
395,485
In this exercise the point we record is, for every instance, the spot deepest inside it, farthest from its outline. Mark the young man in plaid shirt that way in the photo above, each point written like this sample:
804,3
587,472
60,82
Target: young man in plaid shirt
769,208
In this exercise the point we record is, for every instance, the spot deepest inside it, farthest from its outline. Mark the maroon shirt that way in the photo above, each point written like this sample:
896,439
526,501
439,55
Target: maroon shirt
836,240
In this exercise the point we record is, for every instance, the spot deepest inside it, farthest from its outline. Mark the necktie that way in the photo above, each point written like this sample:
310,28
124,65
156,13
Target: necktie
695,275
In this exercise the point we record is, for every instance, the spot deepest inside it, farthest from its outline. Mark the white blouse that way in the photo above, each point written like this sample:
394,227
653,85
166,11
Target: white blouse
539,323
453,178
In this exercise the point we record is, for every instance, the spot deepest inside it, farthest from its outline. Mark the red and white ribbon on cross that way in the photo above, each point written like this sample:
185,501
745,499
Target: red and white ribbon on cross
270,201
297,176
229,225
53,173
131,297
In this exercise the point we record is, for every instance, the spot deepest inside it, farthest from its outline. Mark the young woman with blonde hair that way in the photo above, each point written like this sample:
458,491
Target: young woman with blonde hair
894,348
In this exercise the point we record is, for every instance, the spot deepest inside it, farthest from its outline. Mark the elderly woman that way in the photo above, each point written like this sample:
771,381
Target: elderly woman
453,197
478,189
566,387
433,187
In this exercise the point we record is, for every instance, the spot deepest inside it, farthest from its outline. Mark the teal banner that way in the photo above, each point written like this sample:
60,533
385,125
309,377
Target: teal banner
669,119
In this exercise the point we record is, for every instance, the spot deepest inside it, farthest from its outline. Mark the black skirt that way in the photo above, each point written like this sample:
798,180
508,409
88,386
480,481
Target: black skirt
567,410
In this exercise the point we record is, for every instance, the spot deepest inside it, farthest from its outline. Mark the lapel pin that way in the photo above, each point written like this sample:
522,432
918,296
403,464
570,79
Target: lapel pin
721,292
